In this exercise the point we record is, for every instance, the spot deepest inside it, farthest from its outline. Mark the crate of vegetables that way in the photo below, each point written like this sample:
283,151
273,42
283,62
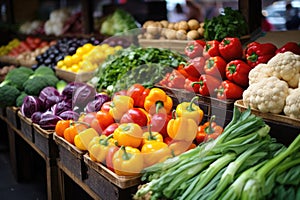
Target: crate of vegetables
26,126
12,116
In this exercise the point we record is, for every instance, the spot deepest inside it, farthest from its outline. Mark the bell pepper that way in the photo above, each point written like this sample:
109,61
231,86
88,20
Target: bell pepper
209,130
129,134
104,119
154,152
189,86
135,115
159,123
229,90
158,101
237,71
74,128
164,81
61,126
83,138
138,93
106,106
195,67
120,105
151,136
182,128
207,85
128,161
110,129
257,53
190,110
175,80
216,66
109,157
231,48
289,46
98,148
181,69
194,49
211,49
180,146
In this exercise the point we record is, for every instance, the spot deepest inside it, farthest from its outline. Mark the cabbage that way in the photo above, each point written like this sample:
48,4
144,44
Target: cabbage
48,120
31,104
96,104
62,106
82,96
69,115
36,117
49,96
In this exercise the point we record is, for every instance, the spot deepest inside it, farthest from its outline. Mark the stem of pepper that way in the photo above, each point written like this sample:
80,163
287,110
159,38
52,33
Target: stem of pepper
151,137
125,156
190,107
253,57
232,69
105,141
209,129
158,106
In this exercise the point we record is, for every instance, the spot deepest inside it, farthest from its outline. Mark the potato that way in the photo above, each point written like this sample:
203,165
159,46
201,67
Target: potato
181,35
171,34
193,24
176,25
201,31
183,25
153,28
164,23
193,35
171,25
147,23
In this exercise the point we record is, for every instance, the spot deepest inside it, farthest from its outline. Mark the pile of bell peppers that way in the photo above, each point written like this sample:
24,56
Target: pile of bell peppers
135,129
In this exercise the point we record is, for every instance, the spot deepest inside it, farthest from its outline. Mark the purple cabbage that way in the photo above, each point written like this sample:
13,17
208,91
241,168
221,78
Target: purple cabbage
95,105
31,104
70,89
82,96
36,117
49,96
61,107
66,115
48,120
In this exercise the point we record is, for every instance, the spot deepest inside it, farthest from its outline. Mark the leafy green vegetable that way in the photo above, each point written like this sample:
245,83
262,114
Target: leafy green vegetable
17,77
20,99
230,24
8,95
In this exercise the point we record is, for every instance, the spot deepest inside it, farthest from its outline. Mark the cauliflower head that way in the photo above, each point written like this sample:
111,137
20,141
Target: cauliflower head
267,95
286,66
259,72
292,104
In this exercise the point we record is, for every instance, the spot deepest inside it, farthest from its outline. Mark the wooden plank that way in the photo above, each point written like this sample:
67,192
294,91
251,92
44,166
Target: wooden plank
26,127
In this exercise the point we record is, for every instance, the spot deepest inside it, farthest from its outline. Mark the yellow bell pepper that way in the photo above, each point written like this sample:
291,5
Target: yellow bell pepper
83,138
154,152
182,128
99,146
190,110
129,134
151,136
120,105
158,101
128,161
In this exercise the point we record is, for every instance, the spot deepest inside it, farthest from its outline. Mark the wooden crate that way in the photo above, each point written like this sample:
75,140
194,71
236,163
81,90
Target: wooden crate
26,126
285,129
71,76
3,112
12,116
174,45
107,184
43,140
71,157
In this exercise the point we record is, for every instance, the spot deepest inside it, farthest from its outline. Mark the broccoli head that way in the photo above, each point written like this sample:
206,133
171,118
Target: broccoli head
17,77
34,85
20,99
8,95
44,71
51,80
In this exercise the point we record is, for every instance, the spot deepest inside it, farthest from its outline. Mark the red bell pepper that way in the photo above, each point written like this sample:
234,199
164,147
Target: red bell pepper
289,46
208,84
211,49
238,71
159,123
135,115
257,53
110,129
106,106
216,66
189,86
109,157
231,48
181,69
138,93
195,67
164,81
194,49
229,90
176,80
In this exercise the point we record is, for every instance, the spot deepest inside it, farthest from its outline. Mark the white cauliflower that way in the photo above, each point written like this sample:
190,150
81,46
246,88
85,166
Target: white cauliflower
267,95
292,104
259,72
286,66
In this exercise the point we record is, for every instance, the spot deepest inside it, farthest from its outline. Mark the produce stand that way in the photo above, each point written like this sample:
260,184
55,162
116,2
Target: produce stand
12,116
26,127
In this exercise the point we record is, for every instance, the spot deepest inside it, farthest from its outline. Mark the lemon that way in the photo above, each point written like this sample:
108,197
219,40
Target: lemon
87,47
76,59
75,68
60,63
68,61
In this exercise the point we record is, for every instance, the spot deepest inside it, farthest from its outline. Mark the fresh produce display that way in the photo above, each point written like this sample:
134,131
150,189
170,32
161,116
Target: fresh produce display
146,66
86,58
244,162
118,22
182,30
231,23
274,85
5,49
32,27
55,24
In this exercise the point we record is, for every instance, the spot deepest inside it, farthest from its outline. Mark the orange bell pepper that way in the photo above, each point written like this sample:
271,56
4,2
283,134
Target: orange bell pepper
209,130
128,134
120,105
154,152
82,139
182,128
190,110
128,161
158,101
73,130
61,126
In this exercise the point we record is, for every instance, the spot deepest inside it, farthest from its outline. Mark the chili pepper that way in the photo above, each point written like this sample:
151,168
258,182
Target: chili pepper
61,126
182,128
159,123
189,86
190,110
120,105
74,128
138,93
231,48
151,136
289,46
135,115
211,49
128,134
229,90
257,53
83,138
109,157
216,66
154,152
238,71
128,161
193,49
209,130
158,101
110,129
207,85
98,147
